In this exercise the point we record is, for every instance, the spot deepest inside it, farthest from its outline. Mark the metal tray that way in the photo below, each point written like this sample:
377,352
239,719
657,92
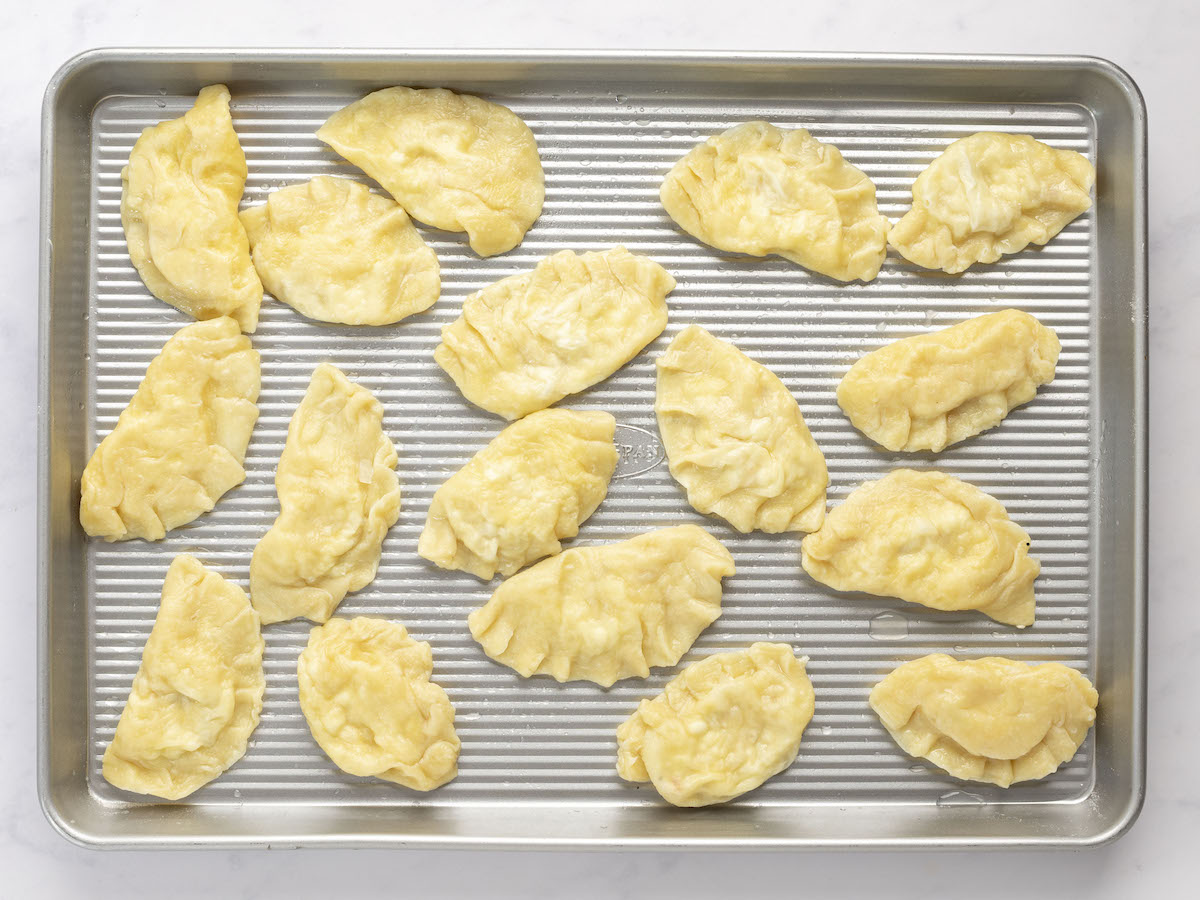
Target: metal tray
537,764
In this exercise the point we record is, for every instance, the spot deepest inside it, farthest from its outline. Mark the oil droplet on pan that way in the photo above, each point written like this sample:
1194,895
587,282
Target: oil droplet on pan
888,626
960,798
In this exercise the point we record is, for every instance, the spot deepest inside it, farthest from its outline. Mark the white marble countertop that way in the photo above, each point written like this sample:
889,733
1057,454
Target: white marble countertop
1155,40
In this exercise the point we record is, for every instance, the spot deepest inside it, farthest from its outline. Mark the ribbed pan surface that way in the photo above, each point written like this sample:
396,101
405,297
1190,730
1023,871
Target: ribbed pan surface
605,154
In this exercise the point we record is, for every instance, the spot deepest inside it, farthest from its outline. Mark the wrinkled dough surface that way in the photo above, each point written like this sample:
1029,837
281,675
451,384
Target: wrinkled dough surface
609,612
988,195
179,208
992,719
735,438
366,694
335,252
927,538
452,161
529,340
198,693
338,496
180,443
519,496
759,190
720,728
932,390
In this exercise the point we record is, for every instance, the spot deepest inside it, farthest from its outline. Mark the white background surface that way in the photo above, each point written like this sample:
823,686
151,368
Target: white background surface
1157,42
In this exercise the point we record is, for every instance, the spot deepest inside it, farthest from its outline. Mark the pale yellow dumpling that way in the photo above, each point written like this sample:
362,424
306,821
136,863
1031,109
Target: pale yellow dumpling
988,195
335,252
607,612
735,438
932,390
519,496
451,160
760,190
529,340
720,728
198,693
992,719
338,496
179,207
928,538
180,443
366,694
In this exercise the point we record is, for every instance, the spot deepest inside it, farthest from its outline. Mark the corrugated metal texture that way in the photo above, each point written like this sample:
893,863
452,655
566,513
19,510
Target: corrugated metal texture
604,156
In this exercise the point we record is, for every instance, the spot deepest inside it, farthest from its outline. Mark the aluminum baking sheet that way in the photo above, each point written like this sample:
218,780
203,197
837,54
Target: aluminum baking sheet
537,761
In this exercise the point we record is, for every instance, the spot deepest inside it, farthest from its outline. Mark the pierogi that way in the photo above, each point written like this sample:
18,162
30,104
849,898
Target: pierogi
928,538
989,195
335,252
932,390
179,208
453,161
366,693
518,497
180,443
529,340
607,612
993,719
736,439
198,693
760,190
338,496
721,727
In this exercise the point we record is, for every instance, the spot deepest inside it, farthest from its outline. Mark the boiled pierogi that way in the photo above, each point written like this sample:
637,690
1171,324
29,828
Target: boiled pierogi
532,486
927,538
932,390
992,719
735,438
338,496
756,189
529,340
720,728
179,208
607,612
452,161
366,694
335,252
198,693
180,443
988,195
